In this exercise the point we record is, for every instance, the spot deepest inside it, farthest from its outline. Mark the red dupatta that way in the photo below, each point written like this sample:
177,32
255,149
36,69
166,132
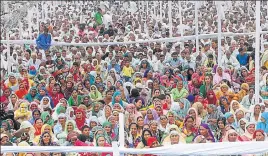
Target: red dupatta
81,121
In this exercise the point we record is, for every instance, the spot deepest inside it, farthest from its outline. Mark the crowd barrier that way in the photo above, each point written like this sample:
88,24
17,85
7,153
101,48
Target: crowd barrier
172,39
223,148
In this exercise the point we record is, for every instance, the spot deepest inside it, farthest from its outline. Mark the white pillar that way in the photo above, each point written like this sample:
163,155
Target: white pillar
170,18
30,13
37,17
196,27
121,130
180,9
8,44
8,52
42,16
115,148
257,53
261,44
147,9
20,29
155,9
219,32
161,11
142,5
267,9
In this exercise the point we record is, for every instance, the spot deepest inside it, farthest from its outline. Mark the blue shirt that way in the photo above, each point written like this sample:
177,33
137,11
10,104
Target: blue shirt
174,62
243,60
43,41
116,67
265,89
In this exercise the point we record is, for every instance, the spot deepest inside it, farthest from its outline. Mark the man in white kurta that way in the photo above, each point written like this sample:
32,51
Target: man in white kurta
228,59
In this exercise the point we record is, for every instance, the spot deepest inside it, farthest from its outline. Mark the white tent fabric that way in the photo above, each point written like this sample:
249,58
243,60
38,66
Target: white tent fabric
225,148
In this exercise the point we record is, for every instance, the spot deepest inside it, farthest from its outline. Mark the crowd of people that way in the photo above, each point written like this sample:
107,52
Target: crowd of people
167,91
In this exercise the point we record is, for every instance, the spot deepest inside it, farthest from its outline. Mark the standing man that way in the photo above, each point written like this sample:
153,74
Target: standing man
98,17
44,40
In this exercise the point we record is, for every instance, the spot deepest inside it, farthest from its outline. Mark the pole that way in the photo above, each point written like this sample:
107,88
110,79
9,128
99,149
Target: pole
29,20
147,9
121,130
262,44
161,11
37,17
170,18
20,29
219,33
257,53
180,9
196,28
8,46
155,9
142,2
42,16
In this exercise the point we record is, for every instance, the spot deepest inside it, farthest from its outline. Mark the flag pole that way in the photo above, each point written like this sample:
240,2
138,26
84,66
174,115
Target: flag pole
257,54
219,33
196,27
170,18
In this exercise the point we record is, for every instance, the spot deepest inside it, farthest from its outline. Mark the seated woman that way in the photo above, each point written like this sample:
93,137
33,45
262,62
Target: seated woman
151,115
238,115
193,113
101,142
117,98
249,131
259,135
263,125
230,119
220,75
224,105
75,99
70,125
152,143
205,131
173,136
38,126
213,114
225,91
45,103
96,111
26,127
80,118
155,131
235,105
47,119
108,129
45,128
231,136
144,138
220,131
201,111
22,114
46,140
189,130
179,92
254,114
244,91
95,95
133,137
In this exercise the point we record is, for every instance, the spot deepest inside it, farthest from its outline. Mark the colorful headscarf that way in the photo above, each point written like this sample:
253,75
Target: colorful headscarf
209,132
117,93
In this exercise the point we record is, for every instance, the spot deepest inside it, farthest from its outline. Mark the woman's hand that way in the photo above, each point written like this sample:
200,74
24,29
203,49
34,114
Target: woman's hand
80,91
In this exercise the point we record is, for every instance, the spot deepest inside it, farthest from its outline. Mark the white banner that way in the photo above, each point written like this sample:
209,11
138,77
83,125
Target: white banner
225,148
172,39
